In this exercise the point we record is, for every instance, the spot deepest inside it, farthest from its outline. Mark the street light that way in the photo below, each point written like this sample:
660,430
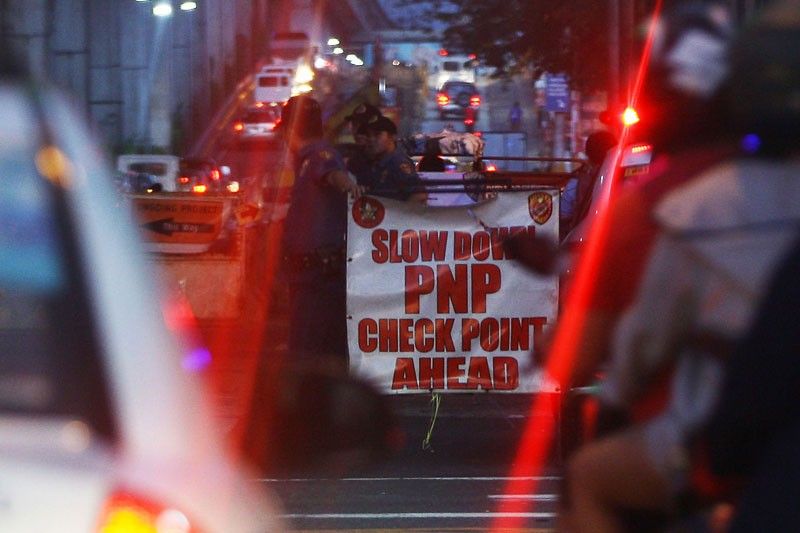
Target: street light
188,6
162,9
333,41
338,51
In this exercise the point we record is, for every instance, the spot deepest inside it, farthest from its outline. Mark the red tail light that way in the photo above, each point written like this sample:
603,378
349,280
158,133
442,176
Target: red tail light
442,99
215,174
475,101
183,180
491,168
125,512
469,121
238,126
199,189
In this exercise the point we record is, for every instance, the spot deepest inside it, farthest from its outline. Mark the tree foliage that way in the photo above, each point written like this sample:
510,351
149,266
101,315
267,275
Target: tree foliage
532,36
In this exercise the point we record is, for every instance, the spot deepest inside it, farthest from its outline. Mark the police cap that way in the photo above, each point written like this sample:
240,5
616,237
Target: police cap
302,113
363,114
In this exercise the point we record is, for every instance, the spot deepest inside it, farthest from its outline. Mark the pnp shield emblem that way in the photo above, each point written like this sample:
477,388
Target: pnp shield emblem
540,207
368,212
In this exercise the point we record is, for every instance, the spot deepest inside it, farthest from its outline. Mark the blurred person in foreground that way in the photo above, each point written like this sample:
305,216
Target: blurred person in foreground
686,125
392,173
314,238
758,406
720,236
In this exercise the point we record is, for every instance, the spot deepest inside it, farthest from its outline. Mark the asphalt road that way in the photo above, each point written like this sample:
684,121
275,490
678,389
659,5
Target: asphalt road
458,483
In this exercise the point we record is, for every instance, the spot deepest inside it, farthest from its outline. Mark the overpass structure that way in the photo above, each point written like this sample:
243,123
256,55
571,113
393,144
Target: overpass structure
151,83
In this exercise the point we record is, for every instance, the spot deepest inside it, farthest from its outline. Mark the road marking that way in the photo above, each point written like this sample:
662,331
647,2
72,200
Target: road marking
525,497
481,478
367,516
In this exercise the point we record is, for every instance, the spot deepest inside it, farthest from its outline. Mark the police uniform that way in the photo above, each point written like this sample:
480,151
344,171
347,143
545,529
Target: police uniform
314,245
392,176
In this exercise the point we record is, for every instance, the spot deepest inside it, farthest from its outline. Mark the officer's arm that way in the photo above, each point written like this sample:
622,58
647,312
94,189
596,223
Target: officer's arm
409,177
341,180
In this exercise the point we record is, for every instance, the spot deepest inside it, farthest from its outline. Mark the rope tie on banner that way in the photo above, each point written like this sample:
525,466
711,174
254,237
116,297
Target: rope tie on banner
436,400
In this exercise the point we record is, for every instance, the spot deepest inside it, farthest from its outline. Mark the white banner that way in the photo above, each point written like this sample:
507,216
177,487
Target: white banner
435,304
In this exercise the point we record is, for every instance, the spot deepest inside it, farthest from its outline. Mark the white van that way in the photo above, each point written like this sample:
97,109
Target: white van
165,168
274,84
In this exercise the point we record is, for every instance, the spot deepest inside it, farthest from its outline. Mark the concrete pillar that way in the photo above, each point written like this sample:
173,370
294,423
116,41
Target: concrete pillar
105,96
163,95
26,25
69,47
134,39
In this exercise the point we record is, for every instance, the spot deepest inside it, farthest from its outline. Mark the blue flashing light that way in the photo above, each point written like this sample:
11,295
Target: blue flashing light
197,359
751,143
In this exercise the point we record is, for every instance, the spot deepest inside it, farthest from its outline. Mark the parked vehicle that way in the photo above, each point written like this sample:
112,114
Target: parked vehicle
164,167
137,183
203,174
456,98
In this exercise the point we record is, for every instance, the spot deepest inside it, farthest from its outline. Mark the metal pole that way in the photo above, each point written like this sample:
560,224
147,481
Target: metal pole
558,141
627,31
613,55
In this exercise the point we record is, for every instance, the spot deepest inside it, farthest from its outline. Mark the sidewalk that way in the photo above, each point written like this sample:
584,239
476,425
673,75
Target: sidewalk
499,95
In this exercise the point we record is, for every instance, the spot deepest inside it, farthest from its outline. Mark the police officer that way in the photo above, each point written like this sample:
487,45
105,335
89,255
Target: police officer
363,114
392,173
314,238
357,155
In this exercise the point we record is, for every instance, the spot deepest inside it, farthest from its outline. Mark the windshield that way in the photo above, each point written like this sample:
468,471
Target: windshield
261,116
48,363
157,169
273,81
458,87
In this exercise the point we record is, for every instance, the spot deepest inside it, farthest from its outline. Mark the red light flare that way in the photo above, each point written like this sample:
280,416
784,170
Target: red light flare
265,259
256,443
535,443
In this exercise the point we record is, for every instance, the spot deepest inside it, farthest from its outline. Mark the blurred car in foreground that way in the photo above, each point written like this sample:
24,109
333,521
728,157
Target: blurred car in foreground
257,124
104,423
621,166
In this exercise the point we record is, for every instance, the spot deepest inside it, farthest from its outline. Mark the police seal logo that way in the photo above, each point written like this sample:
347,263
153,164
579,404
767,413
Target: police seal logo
368,212
540,207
